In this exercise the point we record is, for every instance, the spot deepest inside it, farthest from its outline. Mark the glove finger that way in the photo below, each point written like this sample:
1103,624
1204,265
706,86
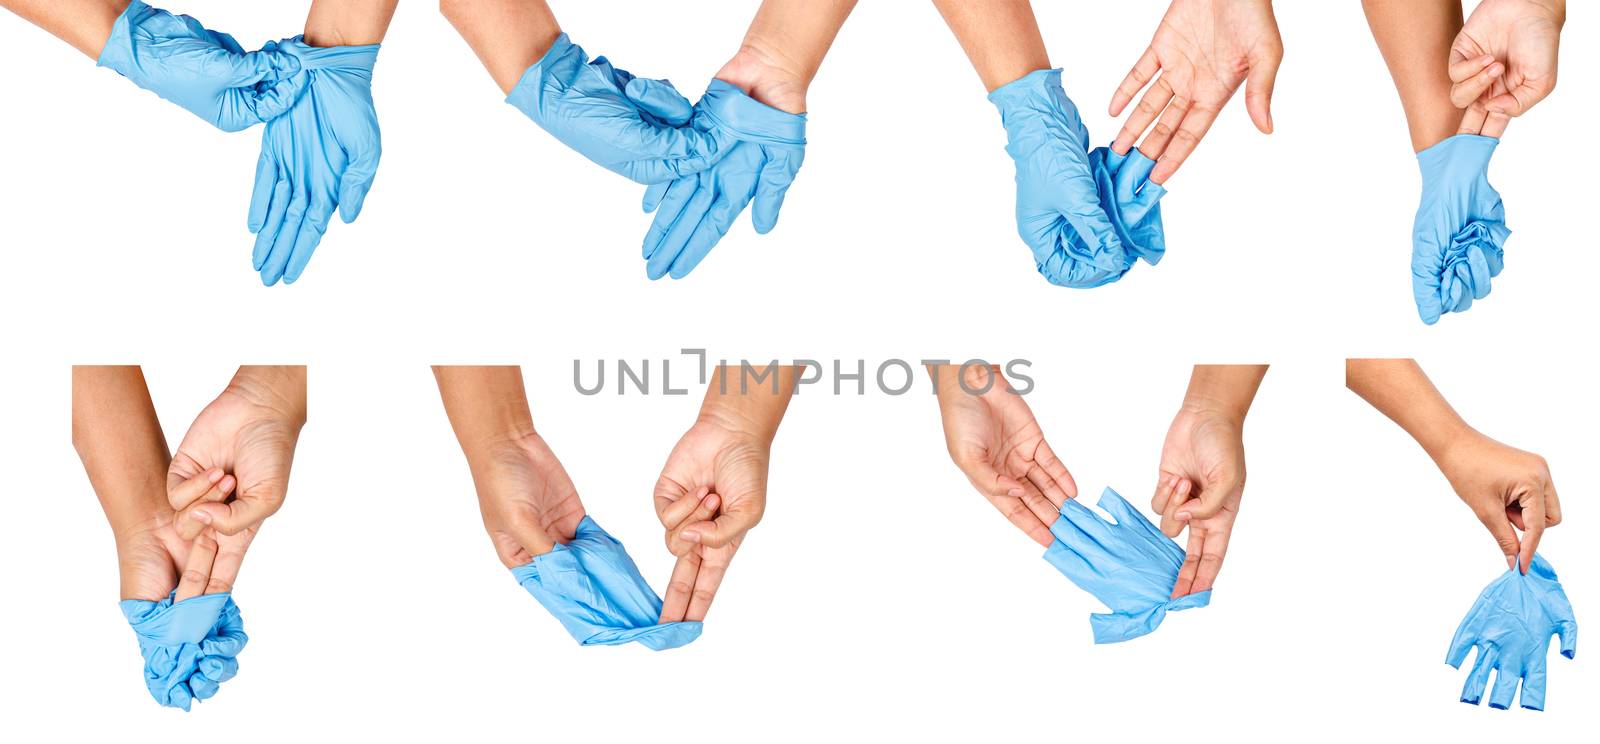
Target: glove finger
1472,691
357,181
1084,213
1533,684
1505,688
676,234
653,194
201,686
277,215
305,244
659,99
179,696
669,209
283,243
776,177
219,669
1460,645
718,219
261,195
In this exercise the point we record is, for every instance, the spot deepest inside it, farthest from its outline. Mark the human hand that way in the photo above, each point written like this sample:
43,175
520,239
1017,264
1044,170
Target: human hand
1504,60
528,502
321,155
249,432
1504,487
1201,482
155,560
203,71
992,436
711,492
1203,50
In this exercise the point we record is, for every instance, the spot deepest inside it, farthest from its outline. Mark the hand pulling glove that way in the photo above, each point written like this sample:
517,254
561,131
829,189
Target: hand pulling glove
1458,240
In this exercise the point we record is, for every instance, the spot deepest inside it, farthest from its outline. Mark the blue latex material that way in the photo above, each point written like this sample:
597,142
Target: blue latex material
591,585
763,148
1458,240
1087,216
321,155
203,71
188,647
1128,565
629,125
1511,625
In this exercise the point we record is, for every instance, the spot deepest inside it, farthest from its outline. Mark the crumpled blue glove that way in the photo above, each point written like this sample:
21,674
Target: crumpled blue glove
1087,216
763,148
1458,241
1510,625
591,585
203,71
188,647
321,155
1129,565
631,126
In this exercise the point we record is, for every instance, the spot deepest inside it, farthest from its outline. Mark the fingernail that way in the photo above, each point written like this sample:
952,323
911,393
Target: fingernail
1183,516
202,517
213,475
1495,70
711,501
226,484
1511,561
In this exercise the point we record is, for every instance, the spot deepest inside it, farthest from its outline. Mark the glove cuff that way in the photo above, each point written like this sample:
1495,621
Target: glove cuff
1460,151
170,623
731,109
118,53
347,59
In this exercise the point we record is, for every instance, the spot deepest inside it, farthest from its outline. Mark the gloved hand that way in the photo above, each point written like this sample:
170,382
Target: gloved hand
1088,216
321,155
592,586
206,72
631,126
1510,625
1129,565
763,149
188,647
1460,232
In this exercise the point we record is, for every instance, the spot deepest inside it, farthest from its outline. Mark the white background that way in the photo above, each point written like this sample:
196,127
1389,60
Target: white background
881,596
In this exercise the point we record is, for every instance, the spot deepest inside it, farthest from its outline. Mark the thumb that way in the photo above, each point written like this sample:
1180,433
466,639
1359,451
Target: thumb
659,99
776,177
726,528
1258,91
236,516
1504,536
357,181
1216,492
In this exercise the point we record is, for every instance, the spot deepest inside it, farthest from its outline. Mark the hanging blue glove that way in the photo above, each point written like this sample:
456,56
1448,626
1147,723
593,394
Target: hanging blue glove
631,126
591,585
1510,625
1458,241
1130,566
203,71
188,647
323,154
1087,216
763,148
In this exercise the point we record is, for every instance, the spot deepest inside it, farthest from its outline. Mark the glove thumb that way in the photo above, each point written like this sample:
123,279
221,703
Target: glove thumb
659,99
357,181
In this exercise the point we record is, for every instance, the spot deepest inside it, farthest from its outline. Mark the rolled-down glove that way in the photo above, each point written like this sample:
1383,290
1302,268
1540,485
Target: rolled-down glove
1128,565
321,155
203,71
1087,216
1458,240
1511,625
188,647
763,148
629,125
591,585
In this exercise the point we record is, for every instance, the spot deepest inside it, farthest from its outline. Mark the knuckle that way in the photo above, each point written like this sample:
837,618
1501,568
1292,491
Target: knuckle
702,596
191,576
680,587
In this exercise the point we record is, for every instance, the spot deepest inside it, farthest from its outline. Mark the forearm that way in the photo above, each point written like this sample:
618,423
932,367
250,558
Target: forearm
280,388
348,22
750,400
784,48
1224,388
119,440
1001,37
1415,37
85,24
487,407
1399,389
508,36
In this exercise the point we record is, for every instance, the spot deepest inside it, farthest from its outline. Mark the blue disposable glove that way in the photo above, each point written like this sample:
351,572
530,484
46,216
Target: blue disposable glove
763,148
1510,625
1130,566
321,155
188,647
1458,241
1087,216
631,126
203,71
591,585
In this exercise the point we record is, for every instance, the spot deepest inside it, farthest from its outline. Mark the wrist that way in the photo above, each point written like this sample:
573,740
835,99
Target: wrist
1446,446
768,76
737,422
1204,405
281,389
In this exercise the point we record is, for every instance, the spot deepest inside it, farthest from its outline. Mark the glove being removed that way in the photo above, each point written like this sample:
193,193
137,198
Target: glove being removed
188,647
203,71
1510,625
1129,565
591,585
1088,216
1458,240
631,126
763,148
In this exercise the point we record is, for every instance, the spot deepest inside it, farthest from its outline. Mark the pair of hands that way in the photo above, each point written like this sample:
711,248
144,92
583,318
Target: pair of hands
1504,61
711,492
995,440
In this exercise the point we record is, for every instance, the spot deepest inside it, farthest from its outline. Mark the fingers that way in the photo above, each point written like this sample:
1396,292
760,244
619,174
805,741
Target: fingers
1518,100
676,510
1552,506
197,569
712,569
675,605
525,527
1472,78
1212,550
1010,498
238,515
1533,519
356,182
1504,536
659,99
1049,474
306,242
1150,106
230,558
1184,141
1190,567
1143,70
272,226
653,194
727,527
266,194
197,490
1166,488
700,509
777,176
1171,525
1258,91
